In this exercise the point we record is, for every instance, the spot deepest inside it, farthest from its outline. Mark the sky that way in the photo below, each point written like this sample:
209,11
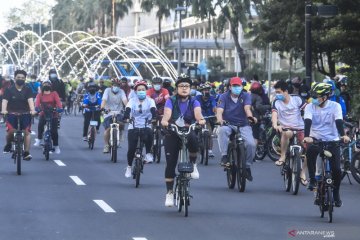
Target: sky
6,5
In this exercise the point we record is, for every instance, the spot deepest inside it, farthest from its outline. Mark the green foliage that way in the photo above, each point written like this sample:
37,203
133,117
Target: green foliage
215,64
354,90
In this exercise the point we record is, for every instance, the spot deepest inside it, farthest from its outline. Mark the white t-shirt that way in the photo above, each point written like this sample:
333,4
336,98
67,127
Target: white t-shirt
289,115
132,94
323,125
114,102
140,111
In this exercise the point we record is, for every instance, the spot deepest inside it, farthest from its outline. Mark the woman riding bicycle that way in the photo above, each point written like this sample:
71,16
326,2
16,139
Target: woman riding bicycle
181,110
48,100
141,110
91,103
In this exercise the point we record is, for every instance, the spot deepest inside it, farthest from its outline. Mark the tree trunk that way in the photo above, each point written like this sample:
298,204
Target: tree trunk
239,49
159,37
103,25
331,64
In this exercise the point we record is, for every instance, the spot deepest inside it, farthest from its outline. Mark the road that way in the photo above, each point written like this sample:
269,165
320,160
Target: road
85,196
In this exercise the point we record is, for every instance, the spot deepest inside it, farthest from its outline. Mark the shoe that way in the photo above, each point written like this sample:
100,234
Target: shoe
27,156
7,148
169,200
224,161
248,174
106,149
37,142
57,150
128,172
51,151
195,174
338,203
85,139
149,158
211,154
312,184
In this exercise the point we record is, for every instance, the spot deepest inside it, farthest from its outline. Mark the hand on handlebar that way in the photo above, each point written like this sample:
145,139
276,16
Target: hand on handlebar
164,123
308,140
202,121
278,128
252,120
345,138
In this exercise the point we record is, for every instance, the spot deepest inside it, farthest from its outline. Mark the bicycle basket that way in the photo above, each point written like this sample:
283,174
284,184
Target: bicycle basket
185,167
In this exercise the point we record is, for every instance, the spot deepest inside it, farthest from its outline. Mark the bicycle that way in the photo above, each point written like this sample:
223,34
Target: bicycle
92,130
204,138
325,184
185,167
48,144
138,166
236,152
116,132
156,150
291,170
265,132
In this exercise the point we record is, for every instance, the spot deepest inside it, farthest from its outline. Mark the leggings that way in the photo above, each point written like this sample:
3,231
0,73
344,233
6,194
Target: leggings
147,138
54,129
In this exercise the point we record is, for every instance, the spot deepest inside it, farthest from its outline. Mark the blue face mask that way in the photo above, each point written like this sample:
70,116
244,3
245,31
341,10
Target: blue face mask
115,89
280,97
316,102
141,94
192,92
236,90
157,87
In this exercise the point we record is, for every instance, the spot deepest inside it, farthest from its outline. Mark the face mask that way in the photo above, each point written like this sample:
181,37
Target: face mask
157,87
46,88
92,91
53,75
192,92
141,94
20,82
236,90
207,94
316,102
115,89
280,97
33,80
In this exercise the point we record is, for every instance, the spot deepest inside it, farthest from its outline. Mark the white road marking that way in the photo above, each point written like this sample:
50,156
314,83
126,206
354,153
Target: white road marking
104,206
60,163
139,238
77,180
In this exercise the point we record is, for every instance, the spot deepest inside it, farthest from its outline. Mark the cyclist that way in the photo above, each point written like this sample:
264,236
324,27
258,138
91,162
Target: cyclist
297,87
48,99
140,109
57,85
234,106
335,96
208,109
102,87
114,100
18,99
125,86
167,86
91,103
342,85
34,86
159,94
324,121
181,110
80,89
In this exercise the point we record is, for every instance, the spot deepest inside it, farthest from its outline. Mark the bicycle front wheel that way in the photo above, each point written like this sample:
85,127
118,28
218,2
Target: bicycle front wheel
18,160
241,167
158,147
296,170
137,172
206,148
330,203
355,167
114,147
178,196
231,170
186,200
91,139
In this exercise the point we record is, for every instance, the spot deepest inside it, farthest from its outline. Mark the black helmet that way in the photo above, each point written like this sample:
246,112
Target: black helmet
156,80
183,78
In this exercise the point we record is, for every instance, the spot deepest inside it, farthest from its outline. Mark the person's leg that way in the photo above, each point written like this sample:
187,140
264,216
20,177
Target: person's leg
41,126
54,132
223,139
132,141
87,118
148,139
171,147
285,137
250,146
336,172
311,155
97,118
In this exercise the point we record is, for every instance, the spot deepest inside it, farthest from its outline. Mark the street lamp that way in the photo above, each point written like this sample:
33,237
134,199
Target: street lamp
325,11
180,10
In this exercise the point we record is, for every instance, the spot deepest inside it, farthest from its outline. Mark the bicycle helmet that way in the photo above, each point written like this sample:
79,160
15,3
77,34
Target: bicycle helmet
321,90
138,83
297,81
256,88
124,79
116,81
204,86
156,80
46,81
183,78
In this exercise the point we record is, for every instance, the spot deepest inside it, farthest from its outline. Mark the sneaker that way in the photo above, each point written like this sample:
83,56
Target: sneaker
7,148
211,154
57,150
106,149
85,139
224,161
149,158
312,184
37,142
169,200
195,174
128,172
27,156
248,174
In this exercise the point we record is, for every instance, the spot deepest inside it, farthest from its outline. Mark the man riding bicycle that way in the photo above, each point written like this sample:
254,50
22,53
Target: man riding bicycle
159,94
114,99
18,99
234,107
324,121
91,104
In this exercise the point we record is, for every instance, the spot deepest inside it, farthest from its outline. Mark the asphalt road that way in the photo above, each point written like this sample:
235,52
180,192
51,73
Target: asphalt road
85,196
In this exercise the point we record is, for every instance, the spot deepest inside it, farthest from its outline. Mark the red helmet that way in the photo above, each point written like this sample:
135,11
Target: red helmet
138,83
116,81
256,88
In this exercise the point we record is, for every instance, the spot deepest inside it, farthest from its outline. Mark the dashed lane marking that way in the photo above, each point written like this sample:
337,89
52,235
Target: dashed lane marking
77,180
139,238
60,163
104,206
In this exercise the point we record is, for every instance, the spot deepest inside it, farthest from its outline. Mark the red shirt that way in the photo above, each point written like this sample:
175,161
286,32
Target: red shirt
51,100
159,98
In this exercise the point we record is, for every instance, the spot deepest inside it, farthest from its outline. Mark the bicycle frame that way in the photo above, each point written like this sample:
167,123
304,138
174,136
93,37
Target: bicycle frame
114,126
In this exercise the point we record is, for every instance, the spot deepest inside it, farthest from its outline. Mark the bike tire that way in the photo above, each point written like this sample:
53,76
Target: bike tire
241,167
186,202
295,173
158,147
261,148
47,152
330,203
206,148
272,153
286,172
92,138
178,196
202,148
18,160
231,171
137,172
114,147
355,167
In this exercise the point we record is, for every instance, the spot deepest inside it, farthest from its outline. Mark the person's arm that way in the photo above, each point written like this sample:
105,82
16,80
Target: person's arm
104,99
57,100
4,106
37,100
167,113
31,105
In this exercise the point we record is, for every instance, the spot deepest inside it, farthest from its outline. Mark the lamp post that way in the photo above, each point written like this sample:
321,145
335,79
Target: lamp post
180,10
325,11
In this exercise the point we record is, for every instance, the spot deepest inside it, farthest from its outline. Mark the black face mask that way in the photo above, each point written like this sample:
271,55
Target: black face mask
207,94
92,91
46,88
20,82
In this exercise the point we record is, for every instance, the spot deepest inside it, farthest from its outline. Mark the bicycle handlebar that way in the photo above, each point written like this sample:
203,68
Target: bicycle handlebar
175,128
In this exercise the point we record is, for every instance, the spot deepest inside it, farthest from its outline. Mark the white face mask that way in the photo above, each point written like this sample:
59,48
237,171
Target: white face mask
157,87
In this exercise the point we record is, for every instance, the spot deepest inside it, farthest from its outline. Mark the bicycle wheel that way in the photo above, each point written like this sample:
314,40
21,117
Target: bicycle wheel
157,149
231,171
261,148
18,159
206,148
287,175
296,170
274,147
330,203
201,147
355,167
137,172
241,167
47,151
114,147
178,196
186,201
91,139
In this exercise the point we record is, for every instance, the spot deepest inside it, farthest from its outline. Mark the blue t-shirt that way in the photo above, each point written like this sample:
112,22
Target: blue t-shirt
34,86
207,106
234,112
91,101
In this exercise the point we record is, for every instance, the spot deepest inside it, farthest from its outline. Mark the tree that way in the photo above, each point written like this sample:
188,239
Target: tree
216,65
